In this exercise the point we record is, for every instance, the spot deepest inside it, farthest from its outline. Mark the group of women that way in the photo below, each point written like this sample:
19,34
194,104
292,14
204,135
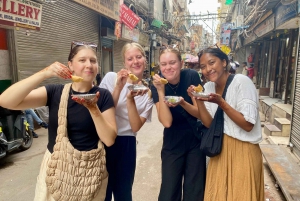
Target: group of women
117,113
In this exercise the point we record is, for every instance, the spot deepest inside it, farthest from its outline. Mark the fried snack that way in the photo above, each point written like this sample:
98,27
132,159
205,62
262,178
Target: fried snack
133,77
198,89
163,81
76,78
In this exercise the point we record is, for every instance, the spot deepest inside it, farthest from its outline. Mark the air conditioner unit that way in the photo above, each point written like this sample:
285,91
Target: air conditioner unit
141,24
239,21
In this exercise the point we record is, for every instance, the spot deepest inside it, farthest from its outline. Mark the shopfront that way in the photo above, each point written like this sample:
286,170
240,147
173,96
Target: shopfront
15,16
295,122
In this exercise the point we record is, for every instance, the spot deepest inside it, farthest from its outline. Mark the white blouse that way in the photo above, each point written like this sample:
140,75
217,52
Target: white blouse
242,96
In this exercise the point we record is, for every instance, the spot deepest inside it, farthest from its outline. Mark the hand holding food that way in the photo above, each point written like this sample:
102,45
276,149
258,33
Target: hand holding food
87,100
133,77
76,78
57,69
163,81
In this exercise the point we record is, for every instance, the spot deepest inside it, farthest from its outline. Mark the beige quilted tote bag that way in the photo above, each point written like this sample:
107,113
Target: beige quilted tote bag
74,175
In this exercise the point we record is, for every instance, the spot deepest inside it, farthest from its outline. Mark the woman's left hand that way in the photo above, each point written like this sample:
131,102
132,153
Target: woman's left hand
132,94
174,104
89,104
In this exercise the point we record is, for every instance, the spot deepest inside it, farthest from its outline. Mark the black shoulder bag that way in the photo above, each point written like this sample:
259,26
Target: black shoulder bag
212,139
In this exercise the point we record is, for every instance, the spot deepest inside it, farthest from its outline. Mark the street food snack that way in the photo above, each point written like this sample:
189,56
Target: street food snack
76,78
163,81
172,99
198,89
133,77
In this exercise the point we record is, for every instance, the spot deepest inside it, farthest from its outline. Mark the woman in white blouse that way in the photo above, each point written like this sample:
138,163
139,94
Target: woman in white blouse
236,173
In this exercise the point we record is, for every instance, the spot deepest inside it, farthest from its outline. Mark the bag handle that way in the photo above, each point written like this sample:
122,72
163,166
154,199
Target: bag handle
62,113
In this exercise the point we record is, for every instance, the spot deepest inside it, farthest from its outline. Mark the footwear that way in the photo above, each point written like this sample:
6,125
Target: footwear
43,124
34,134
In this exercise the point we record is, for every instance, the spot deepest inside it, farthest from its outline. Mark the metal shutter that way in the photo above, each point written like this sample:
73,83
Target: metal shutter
117,58
62,23
295,123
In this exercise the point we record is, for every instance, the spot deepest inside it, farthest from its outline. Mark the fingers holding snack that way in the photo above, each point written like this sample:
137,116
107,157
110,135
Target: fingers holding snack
157,82
133,77
163,81
57,69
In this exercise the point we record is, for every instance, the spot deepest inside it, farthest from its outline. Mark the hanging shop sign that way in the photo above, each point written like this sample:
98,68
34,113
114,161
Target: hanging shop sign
110,8
285,13
131,35
24,14
265,27
225,33
128,17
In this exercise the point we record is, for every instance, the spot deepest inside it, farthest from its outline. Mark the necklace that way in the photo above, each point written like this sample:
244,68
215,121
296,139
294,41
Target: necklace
174,89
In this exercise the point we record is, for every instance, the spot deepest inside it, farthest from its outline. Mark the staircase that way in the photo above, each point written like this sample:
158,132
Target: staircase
281,127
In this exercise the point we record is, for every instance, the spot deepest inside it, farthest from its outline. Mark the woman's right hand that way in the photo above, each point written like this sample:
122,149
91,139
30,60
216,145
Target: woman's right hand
122,76
58,70
157,83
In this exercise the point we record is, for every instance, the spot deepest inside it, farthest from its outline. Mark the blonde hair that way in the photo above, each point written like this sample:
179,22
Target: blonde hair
128,46
172,50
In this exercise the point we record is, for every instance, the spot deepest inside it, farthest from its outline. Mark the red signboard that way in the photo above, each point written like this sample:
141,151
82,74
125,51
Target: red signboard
128,17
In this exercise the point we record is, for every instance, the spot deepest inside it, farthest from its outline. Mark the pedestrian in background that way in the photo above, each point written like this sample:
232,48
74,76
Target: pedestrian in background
133,109
237,172
251,71
245,71
87,121
30,115
183,164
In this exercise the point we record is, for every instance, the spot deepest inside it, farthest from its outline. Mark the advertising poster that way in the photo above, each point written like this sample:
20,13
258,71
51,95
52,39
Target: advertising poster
225,33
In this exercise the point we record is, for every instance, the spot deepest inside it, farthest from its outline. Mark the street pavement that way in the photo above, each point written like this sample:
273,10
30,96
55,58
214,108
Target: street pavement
18,171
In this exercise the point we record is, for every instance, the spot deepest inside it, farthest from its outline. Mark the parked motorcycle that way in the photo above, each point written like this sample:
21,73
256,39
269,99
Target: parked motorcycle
14,131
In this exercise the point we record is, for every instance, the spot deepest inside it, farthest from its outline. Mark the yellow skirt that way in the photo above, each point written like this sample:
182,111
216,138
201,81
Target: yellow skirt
236,174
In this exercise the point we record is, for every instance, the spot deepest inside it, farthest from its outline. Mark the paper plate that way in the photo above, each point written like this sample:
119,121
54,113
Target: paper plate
85,96
200,94
137,87
172,99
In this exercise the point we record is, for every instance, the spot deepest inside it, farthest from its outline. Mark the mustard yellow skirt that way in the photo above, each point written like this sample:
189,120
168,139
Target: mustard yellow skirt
236,174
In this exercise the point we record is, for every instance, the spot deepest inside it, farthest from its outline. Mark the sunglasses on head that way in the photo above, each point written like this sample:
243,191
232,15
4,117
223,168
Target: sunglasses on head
79,43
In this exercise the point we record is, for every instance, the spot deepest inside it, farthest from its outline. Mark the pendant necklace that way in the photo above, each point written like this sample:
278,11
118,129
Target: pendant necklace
174,89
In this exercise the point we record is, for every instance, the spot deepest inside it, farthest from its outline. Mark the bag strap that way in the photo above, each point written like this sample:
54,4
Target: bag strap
228,82
62,113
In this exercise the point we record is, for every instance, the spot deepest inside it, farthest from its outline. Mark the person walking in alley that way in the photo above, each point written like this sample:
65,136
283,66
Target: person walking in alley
133,109
183,164
30,115
244,65
237,172
250,71
78,124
